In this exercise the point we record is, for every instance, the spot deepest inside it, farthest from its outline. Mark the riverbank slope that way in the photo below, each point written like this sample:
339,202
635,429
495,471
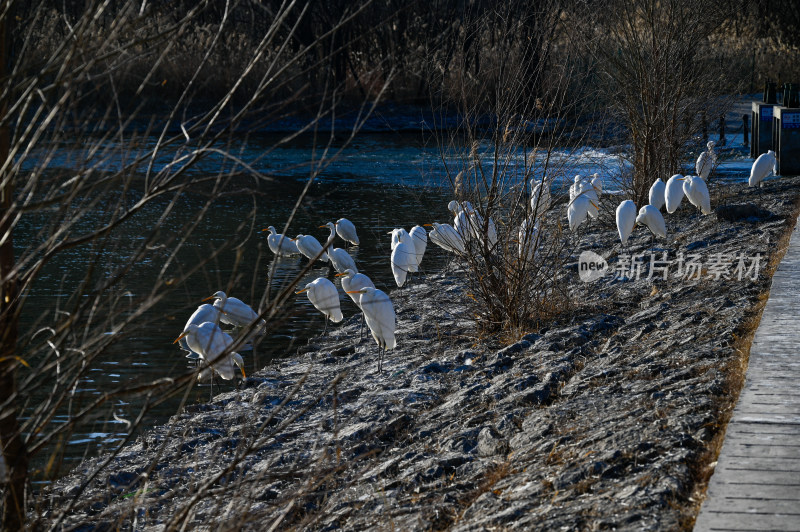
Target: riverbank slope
609,417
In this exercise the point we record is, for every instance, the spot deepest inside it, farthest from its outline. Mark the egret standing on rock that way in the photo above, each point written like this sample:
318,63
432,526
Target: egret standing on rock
420,239
211,343
404,257
696,192
597,184
673,193
765,165
541,199
578,209
656,194
651,217
706,161
323,295
379,313
626,219
234,311
351,283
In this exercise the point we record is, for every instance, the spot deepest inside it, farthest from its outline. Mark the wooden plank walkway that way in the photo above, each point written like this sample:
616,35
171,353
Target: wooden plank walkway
756,484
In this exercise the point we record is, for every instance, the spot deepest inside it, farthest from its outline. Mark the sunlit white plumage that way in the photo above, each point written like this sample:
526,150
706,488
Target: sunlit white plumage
212,344
706,161
404,257
310,247
528,238
420,239
541,199
673,193
597,184
578,209
652,218
447,238
204,313
234,311
380,316
460,220
346,230
626,219
339,258
696,192
656,194
352,281
477,229
762,168
323,295
280,244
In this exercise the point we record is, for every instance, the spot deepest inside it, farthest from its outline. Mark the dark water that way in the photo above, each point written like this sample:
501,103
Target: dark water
379,182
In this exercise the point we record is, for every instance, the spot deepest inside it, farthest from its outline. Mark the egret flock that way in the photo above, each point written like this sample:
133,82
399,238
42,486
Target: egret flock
206,341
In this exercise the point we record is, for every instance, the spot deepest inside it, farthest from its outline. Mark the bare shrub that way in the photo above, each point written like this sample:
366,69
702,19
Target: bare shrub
71,86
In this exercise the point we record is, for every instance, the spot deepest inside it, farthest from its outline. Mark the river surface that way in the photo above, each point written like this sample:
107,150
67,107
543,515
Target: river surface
379,182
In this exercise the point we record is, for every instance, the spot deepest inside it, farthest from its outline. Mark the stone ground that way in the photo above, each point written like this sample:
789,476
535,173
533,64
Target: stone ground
606,418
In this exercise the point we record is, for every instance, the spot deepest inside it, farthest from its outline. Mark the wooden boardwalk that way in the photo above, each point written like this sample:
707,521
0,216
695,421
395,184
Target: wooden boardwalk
756,484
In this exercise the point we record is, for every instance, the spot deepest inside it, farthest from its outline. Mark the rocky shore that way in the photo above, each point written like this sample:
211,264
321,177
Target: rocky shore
607,418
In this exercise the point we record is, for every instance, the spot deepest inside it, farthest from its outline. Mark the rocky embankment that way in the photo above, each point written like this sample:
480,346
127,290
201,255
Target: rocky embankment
606,418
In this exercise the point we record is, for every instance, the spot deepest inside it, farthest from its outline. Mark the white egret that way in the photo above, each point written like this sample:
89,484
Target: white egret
212,344
578,209
447,238
280,244
626,219
340,259
597,184
652,218
528,238
234,311
399,235
477,227
346,230
696,192
310,247
765,165
379,314
404,257
706,161
420,239
323,295
460,220
351,283
673,193
575,187
203,313
541,199
657,194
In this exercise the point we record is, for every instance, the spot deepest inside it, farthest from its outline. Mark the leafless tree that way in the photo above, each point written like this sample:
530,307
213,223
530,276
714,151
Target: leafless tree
659,72
87,81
